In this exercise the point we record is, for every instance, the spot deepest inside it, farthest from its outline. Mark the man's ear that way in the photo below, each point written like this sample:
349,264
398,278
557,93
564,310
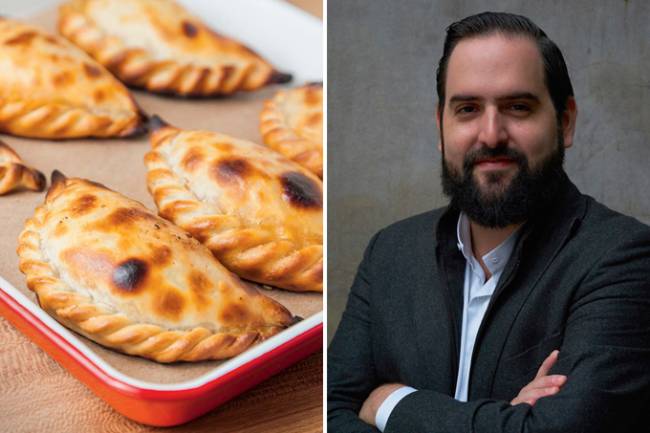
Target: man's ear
438,120
569,121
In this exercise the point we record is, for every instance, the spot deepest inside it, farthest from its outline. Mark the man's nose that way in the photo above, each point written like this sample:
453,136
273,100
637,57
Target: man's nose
493,131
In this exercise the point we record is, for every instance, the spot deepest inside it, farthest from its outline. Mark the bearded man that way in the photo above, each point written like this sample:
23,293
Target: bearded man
524,305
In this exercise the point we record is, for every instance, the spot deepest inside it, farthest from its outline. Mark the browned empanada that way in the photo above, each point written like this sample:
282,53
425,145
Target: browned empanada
258,212
51,89
15,175
159,46
106,267
292,124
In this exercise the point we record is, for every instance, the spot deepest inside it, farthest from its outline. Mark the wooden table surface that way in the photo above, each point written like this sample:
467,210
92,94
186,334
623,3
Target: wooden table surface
38,395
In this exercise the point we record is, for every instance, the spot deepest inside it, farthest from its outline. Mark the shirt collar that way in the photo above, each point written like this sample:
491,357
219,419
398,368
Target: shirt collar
494,260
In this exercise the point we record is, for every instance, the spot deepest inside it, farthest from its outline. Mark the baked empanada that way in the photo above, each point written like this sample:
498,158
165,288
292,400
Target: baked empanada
106,267
15,175
159,46
51,89
258,212
292,124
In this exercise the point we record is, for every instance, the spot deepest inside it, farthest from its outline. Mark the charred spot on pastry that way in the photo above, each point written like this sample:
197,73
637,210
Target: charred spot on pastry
192,159
234,313
57,177
200,287
126,216
161,255
169,304
41,181
92,71
155,123
313,96
314,119
189,29
129,275
62,78
224,147
230,170
99,95
57,184
83,204
21,39
301,191
141,127
278,77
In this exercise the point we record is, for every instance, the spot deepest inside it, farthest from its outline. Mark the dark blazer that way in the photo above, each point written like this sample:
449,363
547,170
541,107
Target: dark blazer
578,280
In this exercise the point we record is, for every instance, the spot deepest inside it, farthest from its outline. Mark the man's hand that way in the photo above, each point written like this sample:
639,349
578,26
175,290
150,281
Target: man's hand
368,411
543,385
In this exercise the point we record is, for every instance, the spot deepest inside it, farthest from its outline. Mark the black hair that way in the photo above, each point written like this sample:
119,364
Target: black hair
556,74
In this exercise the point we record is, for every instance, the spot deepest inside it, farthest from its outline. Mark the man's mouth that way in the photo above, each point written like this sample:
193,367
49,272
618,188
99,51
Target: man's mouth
494,163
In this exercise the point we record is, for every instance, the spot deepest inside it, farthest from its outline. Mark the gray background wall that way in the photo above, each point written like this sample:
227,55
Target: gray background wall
383,164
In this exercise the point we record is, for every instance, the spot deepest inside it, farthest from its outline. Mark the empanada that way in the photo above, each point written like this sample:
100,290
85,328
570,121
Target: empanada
106,267
258,212
15,175
51,89
292,124
159,46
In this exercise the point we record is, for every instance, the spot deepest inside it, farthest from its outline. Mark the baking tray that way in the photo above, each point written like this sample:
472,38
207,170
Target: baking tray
147,392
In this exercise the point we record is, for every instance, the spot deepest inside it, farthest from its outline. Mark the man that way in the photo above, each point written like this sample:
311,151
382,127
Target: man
523,306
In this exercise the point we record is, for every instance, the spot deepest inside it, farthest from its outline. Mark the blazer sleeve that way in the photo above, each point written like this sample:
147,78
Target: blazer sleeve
605,355
350,369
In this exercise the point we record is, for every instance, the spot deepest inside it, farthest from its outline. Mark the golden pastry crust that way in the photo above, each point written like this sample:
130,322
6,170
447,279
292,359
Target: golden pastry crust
106,267
159,46
51,89
258,212
15,175
292,124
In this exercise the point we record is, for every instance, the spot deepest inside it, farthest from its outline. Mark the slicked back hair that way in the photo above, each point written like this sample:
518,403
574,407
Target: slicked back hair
556,74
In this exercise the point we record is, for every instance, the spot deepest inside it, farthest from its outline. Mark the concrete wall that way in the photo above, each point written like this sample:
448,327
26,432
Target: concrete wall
382,156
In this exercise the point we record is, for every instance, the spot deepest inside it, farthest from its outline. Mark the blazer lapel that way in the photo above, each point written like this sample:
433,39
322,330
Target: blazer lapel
436,305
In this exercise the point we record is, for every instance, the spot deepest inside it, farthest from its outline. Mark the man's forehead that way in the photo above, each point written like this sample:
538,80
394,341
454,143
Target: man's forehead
495,65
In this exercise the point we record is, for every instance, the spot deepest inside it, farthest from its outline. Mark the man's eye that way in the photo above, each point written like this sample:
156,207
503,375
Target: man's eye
465,109
519,107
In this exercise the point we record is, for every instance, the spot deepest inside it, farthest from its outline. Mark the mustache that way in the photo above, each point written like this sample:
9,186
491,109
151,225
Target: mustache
473,157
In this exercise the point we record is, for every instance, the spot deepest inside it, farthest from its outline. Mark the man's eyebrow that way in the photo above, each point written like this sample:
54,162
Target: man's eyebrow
516,95
520,95
463,98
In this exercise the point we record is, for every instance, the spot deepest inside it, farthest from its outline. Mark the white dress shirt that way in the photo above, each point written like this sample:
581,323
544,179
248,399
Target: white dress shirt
476,297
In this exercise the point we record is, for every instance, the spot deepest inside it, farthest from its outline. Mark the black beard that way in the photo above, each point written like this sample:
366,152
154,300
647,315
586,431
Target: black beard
529,193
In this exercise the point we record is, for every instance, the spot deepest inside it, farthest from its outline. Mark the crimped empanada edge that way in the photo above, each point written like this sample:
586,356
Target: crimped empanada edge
60,121
278,135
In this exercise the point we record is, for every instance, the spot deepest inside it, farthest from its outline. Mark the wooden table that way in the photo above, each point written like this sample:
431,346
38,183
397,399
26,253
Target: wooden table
37,395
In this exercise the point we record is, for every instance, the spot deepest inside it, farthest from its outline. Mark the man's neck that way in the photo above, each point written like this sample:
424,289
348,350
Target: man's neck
485,239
